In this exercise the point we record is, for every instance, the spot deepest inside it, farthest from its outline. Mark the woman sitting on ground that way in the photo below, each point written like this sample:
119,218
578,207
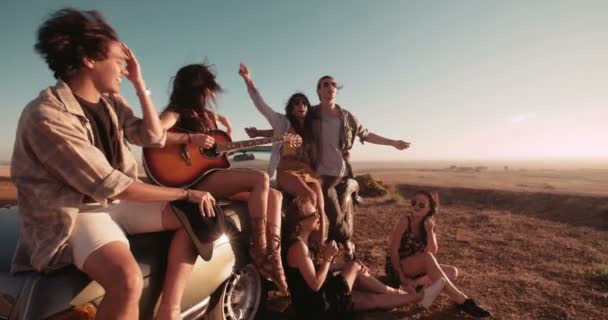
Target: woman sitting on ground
411,260
194,87
318,294
294,170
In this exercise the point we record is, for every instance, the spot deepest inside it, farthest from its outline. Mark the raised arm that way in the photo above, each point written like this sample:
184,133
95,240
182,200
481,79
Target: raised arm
271,116
151,122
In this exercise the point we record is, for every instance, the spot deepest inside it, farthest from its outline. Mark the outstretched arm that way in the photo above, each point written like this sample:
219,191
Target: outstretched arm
377,139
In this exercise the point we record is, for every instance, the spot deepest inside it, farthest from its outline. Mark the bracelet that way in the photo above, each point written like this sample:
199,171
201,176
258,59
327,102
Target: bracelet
145,92
323,260
186,195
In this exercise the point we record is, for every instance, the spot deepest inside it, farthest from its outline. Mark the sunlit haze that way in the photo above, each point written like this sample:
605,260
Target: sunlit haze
459,80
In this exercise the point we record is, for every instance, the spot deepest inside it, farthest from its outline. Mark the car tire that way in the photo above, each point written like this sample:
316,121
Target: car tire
239,297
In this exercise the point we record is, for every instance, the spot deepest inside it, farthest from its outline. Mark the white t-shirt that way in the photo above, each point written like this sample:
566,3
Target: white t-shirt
331,161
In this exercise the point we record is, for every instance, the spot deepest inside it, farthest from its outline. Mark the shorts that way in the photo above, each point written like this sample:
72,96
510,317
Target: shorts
97,226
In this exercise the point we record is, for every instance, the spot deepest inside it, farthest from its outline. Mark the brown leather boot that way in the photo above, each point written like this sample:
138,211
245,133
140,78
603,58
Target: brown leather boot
258,249
274,258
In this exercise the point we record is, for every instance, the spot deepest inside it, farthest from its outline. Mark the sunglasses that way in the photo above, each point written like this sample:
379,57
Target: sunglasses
327,84
420,204
298,102
308,216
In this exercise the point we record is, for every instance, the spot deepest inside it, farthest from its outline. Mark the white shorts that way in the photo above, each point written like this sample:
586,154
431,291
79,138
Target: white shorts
97,226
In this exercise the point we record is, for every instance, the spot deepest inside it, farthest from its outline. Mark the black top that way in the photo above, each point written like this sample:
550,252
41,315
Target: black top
332,301
303,297
192,121
104,135
410,244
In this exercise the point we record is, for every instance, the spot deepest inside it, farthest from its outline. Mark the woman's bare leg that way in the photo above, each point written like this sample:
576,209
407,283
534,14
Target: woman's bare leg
273,234
316,187
294,185
265,211
426,263
369,301
350,272
225,183
367,282
182,255
450,271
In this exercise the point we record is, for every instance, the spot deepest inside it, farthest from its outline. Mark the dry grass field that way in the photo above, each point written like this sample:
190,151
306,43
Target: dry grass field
529,244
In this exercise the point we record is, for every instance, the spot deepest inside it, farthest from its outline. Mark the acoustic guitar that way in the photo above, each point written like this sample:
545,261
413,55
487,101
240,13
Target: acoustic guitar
183,165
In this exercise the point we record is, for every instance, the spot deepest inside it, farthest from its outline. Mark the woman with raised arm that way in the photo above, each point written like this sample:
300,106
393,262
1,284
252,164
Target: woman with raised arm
194,87
316,293
411,260
293,168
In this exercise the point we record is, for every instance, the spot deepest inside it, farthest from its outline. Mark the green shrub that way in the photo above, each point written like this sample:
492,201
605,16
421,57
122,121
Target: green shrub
370,187
600,271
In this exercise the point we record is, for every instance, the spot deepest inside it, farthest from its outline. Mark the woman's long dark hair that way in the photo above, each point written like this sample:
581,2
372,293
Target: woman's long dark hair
304,131
190,83
433,199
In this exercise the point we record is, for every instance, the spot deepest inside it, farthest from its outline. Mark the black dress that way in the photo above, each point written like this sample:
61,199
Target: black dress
332,301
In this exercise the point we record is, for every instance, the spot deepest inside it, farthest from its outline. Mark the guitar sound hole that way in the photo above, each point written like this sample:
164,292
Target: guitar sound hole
210,153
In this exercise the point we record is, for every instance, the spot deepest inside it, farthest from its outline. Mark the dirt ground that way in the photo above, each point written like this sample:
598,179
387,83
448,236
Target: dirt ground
521,255
523,250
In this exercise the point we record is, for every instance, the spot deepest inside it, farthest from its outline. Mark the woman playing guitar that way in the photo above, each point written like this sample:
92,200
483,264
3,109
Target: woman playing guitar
194,87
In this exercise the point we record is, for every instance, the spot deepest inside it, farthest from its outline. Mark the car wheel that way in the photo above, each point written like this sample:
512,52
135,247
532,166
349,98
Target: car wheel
239,297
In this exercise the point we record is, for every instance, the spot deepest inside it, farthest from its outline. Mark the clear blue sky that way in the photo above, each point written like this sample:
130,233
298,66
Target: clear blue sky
458,79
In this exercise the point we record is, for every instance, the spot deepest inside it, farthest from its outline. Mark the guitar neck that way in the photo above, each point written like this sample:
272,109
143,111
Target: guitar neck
238,145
